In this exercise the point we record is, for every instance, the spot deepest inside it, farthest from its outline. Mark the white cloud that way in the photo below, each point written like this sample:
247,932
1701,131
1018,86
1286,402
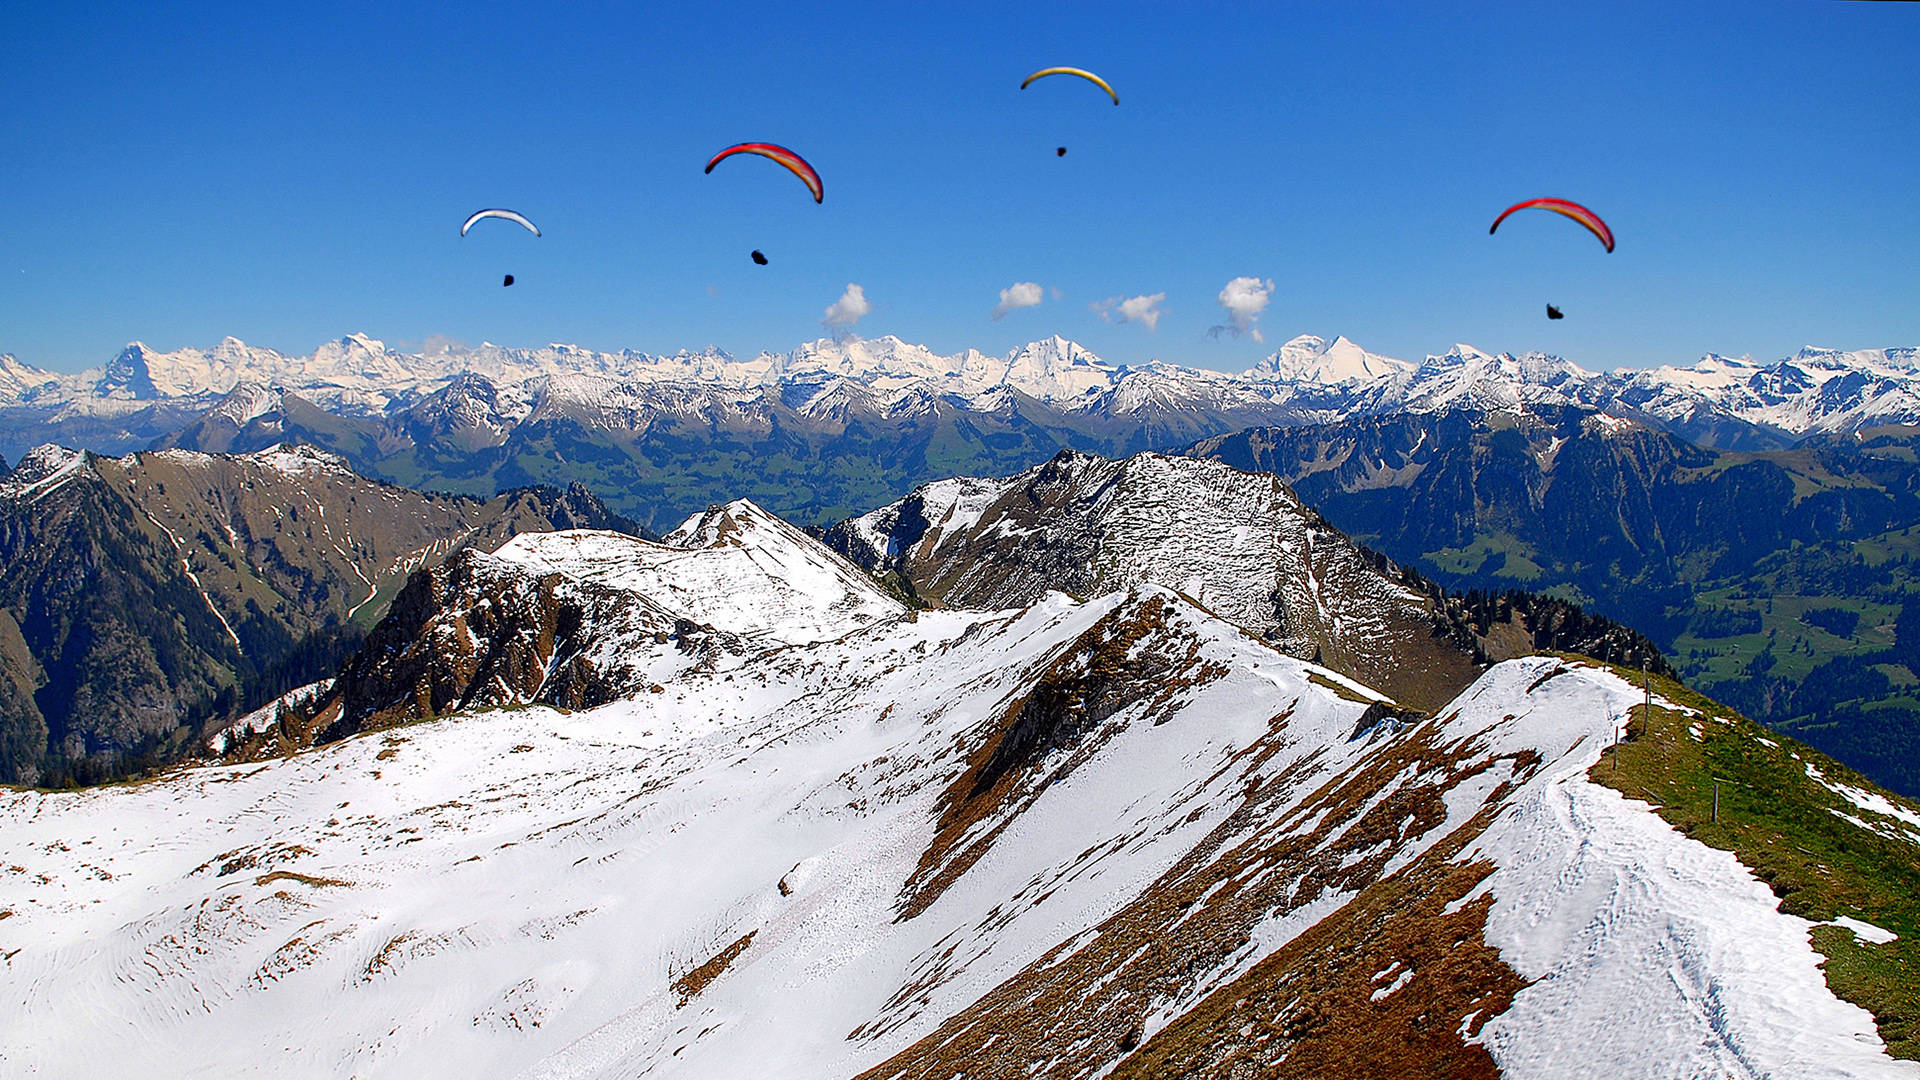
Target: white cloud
1020,294
1140,309
852,305
1244,298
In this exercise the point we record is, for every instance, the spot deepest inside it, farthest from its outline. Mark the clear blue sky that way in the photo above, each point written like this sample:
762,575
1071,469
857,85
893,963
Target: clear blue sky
288,174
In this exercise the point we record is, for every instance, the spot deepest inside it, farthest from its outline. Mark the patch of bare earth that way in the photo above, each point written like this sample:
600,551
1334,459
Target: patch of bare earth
304,879
1390,986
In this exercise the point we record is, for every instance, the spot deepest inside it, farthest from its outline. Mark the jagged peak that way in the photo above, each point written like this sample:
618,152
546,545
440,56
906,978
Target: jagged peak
726,523
44,469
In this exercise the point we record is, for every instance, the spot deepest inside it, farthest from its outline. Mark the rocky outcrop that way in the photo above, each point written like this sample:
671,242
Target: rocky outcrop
481,631
580,618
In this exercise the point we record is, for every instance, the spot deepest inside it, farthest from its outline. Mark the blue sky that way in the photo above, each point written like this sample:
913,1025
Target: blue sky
290,174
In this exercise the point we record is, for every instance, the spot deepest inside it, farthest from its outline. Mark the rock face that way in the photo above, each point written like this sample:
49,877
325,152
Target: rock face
148,594
1073,840
1241,545
480,630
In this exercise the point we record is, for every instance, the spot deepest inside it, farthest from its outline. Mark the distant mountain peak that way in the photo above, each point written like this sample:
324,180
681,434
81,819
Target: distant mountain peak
128,375
1314,359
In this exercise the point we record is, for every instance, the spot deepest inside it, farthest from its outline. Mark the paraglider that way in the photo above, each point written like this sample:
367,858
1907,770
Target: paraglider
1562,206
1554,312
504,215
759,258
1059,151
794,163
1088,75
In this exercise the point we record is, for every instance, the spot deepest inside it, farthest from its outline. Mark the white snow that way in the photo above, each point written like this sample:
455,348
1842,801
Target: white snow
1865,931
737,568
515,893
1313,359
1648,954
186,564
1874,803
1391,988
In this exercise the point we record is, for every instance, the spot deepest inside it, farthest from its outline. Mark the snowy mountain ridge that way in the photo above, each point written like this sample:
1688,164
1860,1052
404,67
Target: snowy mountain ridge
736,568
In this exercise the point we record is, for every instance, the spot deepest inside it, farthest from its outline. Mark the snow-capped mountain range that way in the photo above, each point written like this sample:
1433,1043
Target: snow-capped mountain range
1309,379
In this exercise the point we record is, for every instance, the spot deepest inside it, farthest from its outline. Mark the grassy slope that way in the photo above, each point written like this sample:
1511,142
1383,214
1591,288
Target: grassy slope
1780,821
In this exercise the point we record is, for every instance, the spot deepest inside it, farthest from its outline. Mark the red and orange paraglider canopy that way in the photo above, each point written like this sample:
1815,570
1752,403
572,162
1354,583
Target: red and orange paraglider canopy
1562,206
797,164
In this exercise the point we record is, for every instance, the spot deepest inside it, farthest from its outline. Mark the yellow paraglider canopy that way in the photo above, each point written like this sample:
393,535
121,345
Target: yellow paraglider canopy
1088,75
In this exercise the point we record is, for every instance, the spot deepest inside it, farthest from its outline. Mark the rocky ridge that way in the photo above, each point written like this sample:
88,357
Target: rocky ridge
576,619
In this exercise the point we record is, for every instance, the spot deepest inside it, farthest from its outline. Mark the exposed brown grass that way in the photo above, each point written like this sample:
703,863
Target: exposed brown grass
690,985
304,879
1309,1009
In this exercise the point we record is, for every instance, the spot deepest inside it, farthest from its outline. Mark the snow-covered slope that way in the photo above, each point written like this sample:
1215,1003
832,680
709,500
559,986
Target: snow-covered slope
1004,844
1646,953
